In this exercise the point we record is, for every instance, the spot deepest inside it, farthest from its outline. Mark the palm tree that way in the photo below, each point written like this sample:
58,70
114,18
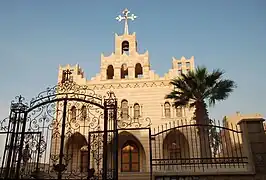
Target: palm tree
194,89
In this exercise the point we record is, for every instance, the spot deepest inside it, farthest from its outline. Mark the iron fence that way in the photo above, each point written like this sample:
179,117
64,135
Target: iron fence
184,145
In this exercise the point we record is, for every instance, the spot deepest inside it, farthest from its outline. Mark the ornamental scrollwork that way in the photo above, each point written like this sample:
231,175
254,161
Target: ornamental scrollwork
67,90
4,125
132,122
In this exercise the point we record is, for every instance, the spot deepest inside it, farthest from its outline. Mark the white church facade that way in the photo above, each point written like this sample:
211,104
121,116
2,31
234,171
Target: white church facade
119,125
148,140
140,93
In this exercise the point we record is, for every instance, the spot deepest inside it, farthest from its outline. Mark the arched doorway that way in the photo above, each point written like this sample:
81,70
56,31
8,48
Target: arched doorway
131,153
77,152
130,157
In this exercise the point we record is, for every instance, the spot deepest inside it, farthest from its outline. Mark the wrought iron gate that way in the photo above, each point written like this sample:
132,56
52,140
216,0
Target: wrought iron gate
49,137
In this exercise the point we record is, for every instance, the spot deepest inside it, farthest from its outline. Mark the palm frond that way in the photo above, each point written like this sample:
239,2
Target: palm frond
221,91
199,85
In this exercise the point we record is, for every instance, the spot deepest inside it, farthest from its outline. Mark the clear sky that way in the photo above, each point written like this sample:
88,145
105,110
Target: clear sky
37,36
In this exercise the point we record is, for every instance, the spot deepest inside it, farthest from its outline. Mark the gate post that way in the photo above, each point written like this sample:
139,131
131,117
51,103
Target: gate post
115,150
110,114
17,117
21,144
105,124
61,167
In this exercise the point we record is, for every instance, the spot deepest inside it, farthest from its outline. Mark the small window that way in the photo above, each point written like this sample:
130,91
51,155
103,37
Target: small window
179,72
179,112
124,109
167,110
179,65
187,64
136,111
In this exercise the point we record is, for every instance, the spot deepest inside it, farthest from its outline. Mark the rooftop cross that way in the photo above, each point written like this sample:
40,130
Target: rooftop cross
125,17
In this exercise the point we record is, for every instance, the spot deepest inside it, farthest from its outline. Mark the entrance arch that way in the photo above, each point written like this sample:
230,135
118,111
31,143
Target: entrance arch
75,151
130,157
131,154
53,136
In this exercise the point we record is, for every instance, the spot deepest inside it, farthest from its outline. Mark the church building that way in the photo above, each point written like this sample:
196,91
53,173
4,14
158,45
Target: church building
140,94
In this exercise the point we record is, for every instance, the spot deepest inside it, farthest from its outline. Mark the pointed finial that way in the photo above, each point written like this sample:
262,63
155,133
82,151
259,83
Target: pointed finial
125,17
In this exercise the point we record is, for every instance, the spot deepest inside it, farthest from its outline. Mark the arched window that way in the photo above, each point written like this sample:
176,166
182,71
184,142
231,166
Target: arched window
124,109
84,112
174,151
125,47
124,71
138,71
167,110
175,145
73,113
179,112
110,72
136,111
130,157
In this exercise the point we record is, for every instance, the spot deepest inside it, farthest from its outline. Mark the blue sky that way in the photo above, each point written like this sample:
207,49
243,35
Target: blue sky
37,36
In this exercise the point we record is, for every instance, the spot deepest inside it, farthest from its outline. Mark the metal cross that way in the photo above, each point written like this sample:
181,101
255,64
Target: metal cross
126,17
67,74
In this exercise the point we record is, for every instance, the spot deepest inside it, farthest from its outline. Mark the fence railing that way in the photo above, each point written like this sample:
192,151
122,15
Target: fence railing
186,145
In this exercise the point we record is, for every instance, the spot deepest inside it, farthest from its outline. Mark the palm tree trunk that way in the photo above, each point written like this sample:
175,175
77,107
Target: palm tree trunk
202,119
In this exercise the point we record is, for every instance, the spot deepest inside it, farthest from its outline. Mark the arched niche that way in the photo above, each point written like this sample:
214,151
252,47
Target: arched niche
124,71
138,71
110,72
125,47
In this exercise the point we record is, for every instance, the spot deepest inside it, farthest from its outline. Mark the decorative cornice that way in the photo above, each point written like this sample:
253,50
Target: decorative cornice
129,85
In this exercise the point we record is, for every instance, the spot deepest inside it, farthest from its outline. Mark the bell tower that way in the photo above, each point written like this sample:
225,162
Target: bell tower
126,44
125,62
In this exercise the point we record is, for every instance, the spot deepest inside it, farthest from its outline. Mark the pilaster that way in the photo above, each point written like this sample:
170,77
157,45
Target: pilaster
254,144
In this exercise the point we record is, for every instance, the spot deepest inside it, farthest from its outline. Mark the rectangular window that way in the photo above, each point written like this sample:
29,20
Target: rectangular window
187,64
